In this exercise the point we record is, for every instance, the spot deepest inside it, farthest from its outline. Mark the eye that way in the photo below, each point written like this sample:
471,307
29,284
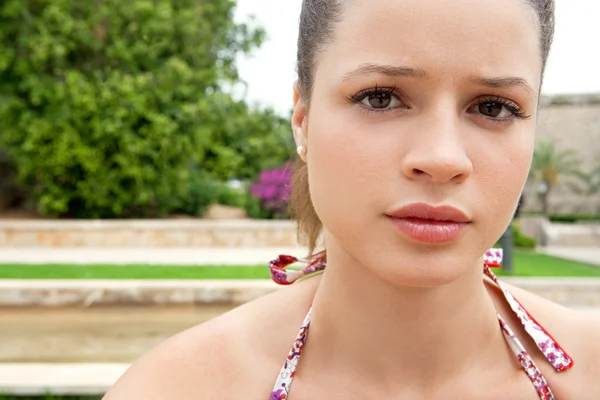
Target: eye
497,109
494,110
377,99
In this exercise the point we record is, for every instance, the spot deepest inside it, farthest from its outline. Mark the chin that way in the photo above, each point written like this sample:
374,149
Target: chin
421,276
426,267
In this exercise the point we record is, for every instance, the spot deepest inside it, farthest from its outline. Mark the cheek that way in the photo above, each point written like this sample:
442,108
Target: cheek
501,174
347,168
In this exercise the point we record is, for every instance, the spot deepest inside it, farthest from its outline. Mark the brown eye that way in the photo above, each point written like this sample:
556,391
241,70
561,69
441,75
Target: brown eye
497,109
380,100
491,109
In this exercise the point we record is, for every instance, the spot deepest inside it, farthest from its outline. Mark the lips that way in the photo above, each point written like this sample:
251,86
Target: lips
425,223
428,212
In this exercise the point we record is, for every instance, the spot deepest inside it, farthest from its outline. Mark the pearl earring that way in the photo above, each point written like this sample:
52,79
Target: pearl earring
302,150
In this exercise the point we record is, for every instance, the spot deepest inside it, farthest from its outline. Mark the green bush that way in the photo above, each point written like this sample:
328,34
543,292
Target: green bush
524,241
531,214
254,208
206,191
202,193
564,218
106,107
520,240
229,196
574,218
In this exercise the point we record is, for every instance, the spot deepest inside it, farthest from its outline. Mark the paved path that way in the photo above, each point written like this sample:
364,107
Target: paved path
204,256
158,256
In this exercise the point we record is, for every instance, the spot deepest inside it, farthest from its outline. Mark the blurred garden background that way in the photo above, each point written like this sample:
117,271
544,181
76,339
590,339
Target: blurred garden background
125,110
142,191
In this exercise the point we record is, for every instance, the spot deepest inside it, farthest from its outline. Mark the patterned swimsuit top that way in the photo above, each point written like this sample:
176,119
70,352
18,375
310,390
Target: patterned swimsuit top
552,351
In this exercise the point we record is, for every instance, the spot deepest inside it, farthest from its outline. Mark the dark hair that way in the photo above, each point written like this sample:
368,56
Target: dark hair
318,20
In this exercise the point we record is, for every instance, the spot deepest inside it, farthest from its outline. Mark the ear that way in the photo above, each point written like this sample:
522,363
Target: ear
299,119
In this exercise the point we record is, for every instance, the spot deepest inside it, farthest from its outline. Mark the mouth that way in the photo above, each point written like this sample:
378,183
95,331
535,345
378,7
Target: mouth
428,224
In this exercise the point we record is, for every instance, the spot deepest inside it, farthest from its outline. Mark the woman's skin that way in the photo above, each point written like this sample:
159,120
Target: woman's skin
450,120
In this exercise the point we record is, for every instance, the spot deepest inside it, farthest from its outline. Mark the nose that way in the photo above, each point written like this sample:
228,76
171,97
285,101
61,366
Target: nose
438,154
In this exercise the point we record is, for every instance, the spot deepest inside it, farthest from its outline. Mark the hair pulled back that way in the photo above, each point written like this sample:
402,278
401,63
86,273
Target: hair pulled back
318,20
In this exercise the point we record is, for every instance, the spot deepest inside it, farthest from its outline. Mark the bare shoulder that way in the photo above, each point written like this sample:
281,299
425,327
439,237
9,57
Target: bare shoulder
192,364
578,332
237,355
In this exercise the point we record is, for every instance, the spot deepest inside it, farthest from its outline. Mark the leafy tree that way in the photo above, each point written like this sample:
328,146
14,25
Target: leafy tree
105,105
241,148
548,166
8,193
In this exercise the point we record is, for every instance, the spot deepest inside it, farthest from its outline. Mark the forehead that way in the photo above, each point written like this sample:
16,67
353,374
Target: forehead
446,38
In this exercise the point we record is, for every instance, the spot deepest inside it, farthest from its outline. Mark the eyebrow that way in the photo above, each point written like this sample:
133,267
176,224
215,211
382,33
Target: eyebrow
393,70
390,70
503,83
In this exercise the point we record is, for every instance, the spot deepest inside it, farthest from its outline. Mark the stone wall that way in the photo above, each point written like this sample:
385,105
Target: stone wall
151,234
572,122
570,292
146,233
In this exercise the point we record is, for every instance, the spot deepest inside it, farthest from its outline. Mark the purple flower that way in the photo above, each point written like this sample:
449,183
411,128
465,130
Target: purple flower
273,189
276,395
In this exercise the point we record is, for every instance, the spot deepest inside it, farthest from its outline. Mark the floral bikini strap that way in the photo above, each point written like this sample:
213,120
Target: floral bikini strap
553,352
282,276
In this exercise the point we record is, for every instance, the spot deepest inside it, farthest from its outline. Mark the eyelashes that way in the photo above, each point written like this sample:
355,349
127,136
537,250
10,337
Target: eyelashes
509,105
371,92
380,100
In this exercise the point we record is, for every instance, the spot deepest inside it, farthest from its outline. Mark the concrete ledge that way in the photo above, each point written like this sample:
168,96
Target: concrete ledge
72,379
570,292
146,233
194,233
570,99
86,293
580,234
577,293
590,255
59,379
562,234
157,224
149,256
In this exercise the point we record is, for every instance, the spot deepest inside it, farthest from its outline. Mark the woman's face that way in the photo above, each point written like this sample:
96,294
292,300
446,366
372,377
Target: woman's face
422,101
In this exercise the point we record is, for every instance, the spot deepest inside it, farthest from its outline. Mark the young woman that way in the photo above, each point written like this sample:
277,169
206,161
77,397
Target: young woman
415,123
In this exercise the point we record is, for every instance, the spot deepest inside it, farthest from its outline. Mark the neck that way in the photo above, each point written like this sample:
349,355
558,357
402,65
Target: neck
402,336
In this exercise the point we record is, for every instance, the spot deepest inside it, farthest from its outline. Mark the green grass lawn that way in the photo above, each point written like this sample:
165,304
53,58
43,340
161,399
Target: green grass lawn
529,263
70,271
49,397
526,264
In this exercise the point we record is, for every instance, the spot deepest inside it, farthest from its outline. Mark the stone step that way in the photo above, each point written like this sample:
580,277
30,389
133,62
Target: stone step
571,292
59,379
146,233
76,379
